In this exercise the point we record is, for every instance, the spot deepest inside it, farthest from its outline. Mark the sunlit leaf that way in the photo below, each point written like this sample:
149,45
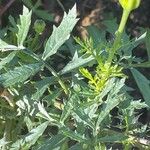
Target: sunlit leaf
75,63
23,27
30,139
60,34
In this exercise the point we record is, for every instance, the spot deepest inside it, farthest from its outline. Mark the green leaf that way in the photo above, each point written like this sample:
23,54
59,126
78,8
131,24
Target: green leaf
40,13
111,25
68,107
98,36
109,85
25,105
81,116
60,34
86,73
129,46
75,63
50,99
73,135
54,143
13,28
23,27
148,43
76,147
7,47
143,65
44,14
43,113
41,87
113,138
137,105
7,59
19,74
113,99
30,139
28,3
3,143
143,84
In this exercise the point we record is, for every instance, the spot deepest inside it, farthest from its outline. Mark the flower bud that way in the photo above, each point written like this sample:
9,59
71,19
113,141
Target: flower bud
39,26
129,5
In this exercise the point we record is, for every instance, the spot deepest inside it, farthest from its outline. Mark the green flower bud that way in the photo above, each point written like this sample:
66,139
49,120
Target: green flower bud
129,5
39,26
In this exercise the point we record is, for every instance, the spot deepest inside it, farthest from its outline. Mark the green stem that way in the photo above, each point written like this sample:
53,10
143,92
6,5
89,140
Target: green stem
54,73
119,32
123,22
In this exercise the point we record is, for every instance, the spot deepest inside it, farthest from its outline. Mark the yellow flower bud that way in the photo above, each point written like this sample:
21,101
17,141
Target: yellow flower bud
130,4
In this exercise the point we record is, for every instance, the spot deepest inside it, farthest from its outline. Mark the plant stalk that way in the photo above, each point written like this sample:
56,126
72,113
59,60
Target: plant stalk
119,32
123,22
54,73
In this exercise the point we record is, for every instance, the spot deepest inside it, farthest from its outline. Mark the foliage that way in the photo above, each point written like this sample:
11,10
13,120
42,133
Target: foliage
86,104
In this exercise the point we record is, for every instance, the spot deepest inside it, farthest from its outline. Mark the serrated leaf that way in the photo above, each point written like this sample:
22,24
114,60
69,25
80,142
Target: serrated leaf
23,27
60,34
81,116
143,84
25,105
7,59
54,143
137,105
44,113
75,63
28,140
19,74
113,99
67,110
